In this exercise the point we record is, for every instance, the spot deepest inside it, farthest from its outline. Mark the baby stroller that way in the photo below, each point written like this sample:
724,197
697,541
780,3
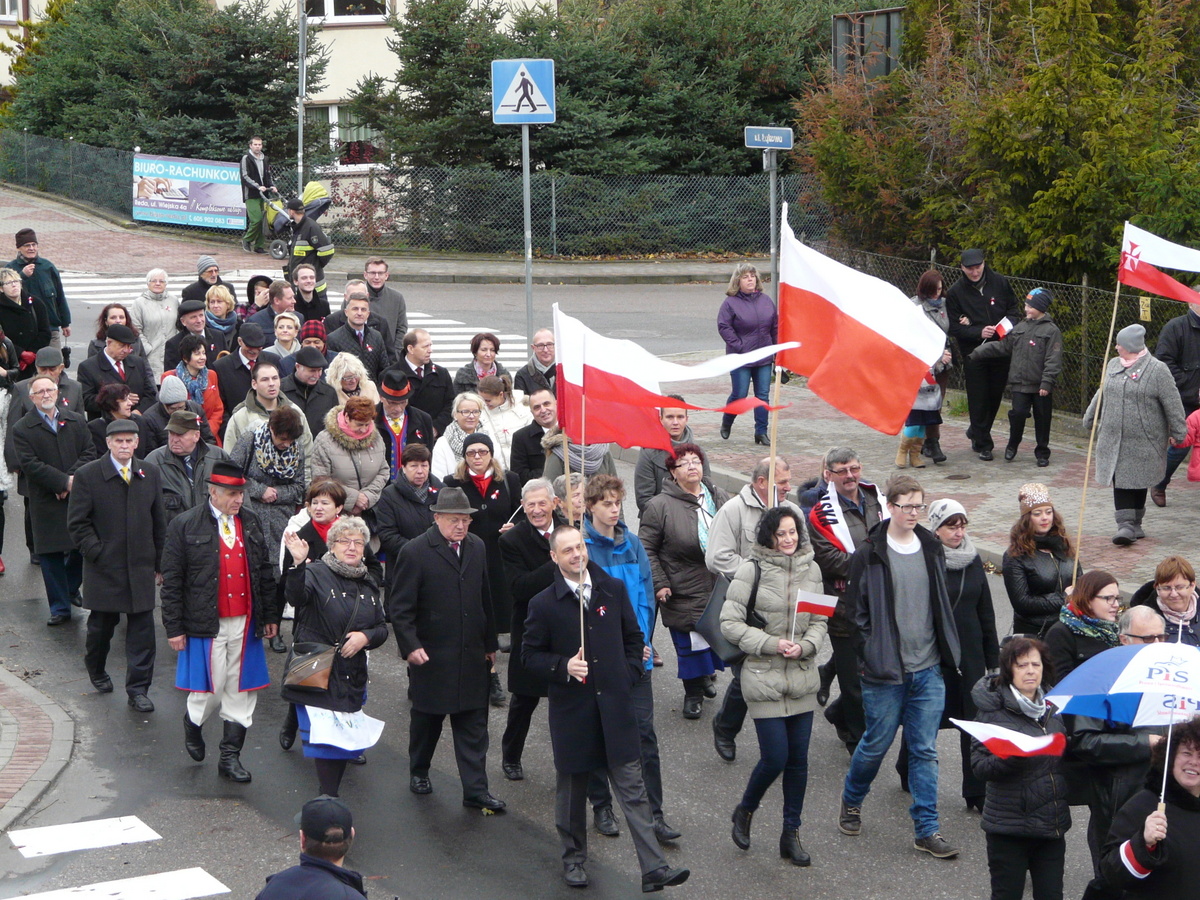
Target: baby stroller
316,200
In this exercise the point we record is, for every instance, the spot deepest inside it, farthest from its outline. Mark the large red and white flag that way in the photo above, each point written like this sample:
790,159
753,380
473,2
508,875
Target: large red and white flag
1004,742
864,345
620,381
1141,255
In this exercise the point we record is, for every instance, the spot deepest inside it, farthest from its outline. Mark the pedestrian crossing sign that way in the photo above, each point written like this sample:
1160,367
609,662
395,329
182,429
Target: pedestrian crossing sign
523,91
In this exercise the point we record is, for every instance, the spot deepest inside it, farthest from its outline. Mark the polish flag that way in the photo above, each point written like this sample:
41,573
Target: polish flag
1141,255
1003,327
817,604
1004,742
608,389
865,346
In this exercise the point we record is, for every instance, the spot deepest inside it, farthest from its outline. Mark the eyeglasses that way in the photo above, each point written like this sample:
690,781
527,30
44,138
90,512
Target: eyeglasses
1172,589
689,464
545,345
1145,638
45,391
469,413
1111,599
345,542
909,508
9,281
848,470
477,453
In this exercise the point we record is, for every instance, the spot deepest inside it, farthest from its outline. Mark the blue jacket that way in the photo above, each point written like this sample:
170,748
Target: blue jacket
625,559
313,879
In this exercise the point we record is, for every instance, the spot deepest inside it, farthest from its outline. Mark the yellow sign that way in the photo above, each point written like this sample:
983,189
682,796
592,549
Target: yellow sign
1145,309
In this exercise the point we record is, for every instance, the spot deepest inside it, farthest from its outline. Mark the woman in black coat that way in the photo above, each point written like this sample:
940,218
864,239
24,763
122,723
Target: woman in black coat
1087,625
115,403
337,601
1025,815
497,496
402,512
23,320
1039,564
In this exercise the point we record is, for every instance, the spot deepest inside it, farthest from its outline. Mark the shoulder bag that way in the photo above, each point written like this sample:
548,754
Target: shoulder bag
709,624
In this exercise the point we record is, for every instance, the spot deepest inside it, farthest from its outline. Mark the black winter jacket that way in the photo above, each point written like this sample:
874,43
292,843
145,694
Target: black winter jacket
975,619
316,879
26,325
1035,348
1068,650
400,517
1035,586
1179,347
984,302
1026,796
191,565
1173,865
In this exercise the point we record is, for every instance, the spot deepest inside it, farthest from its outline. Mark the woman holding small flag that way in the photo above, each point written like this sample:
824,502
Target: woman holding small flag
1025,815
768,615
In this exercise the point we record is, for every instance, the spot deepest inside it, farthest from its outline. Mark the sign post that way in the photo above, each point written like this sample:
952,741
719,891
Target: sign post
523,94
771,141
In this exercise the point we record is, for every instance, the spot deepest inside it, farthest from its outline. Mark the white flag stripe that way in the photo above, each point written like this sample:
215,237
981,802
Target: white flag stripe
860,297
182,884
1158,251
51,839
982,732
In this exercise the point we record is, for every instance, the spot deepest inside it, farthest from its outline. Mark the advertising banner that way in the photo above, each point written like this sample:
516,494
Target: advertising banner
188,192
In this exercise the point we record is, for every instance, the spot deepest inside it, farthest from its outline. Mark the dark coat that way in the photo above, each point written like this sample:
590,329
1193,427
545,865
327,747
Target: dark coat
214,341
326,611
191,564
313,401
47,459
400,517
46,284
313,879
154,435
389,304
233,383
650,472
418,429
98,427
1179,347
198,290
975,618
834,561
1174,864
372,354
871,597
1068,650
526,456
1035,585
1026,796
316,549
984,302
181,493
315,306
1034,348
70,397
502,500
442,603
97,371
528,570
119,528
26,325
592,723
433,392
529,378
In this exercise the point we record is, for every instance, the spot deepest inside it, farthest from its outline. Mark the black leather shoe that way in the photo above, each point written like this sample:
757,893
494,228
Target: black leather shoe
575,876
726,748
663,877
986,455
605,822
420,784
827,673
741,826
141,703
278,645
663,832
77,600
513,771
791,848
710,689
34,559
103,684
725,429
57,619
762,439
692,707
1043,462
193,738
1010,453
486,802
495,692
291,724
360,760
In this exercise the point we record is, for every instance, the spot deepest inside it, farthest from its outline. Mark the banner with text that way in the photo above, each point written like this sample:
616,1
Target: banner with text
188,192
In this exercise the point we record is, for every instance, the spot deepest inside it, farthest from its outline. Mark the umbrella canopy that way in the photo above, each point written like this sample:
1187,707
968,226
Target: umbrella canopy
1143,685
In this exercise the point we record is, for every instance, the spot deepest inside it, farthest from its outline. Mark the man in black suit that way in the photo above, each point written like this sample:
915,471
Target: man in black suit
118,521
398,421
191,320
528,456
115,365
591,657
282,299
441,609
306,387
51,444
433,386
358,338
233,371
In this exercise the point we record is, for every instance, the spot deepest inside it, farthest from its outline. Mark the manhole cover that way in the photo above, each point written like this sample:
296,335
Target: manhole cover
957,477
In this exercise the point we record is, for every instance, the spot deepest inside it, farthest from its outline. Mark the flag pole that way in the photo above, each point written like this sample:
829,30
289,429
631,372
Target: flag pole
571,494
1162,805
1087,468
773,500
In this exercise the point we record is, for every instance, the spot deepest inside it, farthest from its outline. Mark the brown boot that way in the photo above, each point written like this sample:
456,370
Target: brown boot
902,454
915,459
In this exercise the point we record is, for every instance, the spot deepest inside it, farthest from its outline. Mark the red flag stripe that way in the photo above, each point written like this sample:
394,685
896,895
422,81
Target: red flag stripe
1146,277
1004,749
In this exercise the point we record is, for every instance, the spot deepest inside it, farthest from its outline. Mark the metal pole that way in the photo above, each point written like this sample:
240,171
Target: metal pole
553,220
773,168
528,237
300,92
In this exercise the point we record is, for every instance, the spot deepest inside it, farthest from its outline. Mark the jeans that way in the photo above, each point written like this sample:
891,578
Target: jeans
917,704
782,747
740,378
1175,455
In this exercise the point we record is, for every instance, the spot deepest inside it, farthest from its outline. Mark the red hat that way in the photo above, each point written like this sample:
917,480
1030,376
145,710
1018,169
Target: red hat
227,474
313,328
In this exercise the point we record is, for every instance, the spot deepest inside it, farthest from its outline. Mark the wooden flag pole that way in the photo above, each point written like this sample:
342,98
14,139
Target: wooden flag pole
772,499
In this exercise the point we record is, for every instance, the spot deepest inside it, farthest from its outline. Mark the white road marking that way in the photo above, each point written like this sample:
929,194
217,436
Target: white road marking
51,839
182,884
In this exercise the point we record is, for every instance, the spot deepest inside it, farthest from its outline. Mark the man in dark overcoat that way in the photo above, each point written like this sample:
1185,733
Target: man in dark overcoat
116,364
51,444
592,721
118,521
218,603
441,609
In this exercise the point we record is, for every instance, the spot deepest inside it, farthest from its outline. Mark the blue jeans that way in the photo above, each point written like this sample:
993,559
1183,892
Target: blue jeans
762,390
917,704
782,747
1175,455
62,574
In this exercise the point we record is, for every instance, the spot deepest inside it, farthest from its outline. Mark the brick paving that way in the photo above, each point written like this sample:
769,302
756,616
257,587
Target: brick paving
36,739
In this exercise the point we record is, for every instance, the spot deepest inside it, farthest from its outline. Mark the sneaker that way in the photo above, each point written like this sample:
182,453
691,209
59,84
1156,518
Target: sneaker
247,247
936,845
850,821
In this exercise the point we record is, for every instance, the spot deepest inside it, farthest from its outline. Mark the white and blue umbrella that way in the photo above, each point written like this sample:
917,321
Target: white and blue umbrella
1139,684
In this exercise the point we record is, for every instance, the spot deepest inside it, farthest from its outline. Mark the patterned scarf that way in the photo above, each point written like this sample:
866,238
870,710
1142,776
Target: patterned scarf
195,386
283,464
1086,626
225,325
344,569
705,511
586,459
455,437
481,372
1035,708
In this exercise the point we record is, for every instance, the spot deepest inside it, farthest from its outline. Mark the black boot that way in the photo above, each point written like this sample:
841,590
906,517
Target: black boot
291,724
791,848
741,826
496,692
230,765
193,738
933,449
828,672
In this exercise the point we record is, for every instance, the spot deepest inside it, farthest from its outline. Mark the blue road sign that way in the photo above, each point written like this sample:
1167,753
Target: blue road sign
523,91
767,138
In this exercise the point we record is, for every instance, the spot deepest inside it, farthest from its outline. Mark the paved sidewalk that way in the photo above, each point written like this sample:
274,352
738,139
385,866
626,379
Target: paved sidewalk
82,241
36,739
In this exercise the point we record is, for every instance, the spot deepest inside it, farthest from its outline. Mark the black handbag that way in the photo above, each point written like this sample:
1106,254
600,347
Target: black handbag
709,624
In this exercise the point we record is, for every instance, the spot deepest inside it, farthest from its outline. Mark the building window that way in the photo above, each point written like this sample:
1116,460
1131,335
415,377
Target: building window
10,10
338,9
354,143
867,41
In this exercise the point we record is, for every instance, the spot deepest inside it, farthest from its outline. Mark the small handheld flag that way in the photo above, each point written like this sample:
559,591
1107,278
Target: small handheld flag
1005,743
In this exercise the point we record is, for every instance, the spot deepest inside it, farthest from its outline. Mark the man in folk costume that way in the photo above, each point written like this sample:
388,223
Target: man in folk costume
838,523
399,423
218,602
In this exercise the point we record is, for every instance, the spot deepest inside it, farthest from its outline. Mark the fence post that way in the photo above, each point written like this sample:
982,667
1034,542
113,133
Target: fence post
1083,367
932,257
553,215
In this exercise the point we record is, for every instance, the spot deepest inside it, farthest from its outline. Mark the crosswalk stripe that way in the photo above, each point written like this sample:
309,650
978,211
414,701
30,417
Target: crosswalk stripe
451,338
181,884
51,839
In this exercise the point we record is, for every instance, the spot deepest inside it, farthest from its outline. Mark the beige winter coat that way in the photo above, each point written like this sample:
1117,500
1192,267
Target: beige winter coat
357,464
772,685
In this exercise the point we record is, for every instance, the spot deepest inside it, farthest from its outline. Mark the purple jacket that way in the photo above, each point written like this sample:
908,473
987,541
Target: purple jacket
747,322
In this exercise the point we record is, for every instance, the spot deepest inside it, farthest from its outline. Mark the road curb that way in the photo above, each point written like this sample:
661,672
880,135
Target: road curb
33,757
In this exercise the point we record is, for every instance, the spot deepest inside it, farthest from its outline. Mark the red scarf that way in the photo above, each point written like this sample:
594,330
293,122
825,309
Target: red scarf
322,529
482,482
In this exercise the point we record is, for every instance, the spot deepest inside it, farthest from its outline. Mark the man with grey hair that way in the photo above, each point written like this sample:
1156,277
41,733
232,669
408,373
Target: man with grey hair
525,550
730,537
1141,625
540,371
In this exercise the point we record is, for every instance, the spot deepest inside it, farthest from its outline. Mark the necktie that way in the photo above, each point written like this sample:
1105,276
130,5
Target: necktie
226,532
361,341
187,464
585,594
454,545
420,371
121,370
125,473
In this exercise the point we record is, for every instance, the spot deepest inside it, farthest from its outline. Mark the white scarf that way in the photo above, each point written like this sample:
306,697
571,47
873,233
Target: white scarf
829,518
